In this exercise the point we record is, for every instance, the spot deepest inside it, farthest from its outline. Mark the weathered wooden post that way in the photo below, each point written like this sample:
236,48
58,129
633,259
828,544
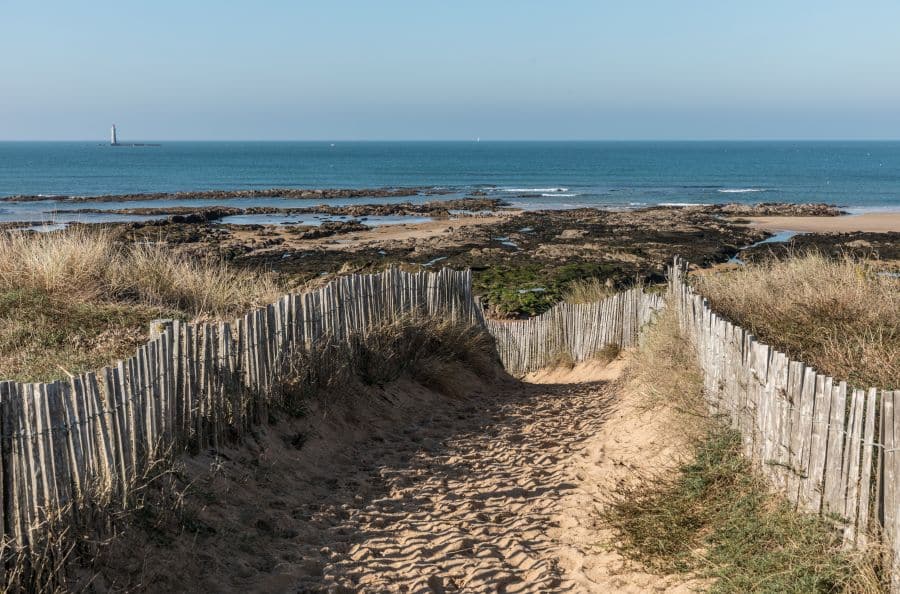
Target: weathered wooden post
158,326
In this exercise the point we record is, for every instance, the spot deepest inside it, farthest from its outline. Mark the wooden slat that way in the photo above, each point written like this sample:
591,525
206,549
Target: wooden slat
116,419
16,499
35,462
833,502
818,443
103,431
176,369
126,419
866,481
84,412
892,476
73,437
804,435
59,446
851,468
7,474
48,447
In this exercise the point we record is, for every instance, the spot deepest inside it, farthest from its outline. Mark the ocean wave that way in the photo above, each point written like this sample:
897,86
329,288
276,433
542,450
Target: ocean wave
680,204
739,190
535,189
555,195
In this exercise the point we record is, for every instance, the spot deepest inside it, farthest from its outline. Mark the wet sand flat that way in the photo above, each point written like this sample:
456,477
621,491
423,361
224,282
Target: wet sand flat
873,222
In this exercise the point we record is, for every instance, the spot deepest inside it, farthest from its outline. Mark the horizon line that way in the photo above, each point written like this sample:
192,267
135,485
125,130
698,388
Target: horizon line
459,140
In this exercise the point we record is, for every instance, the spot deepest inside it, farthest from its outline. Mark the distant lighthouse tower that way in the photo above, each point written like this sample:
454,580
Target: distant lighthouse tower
112,136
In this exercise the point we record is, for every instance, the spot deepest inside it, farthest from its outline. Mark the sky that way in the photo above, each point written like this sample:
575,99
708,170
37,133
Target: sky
429,70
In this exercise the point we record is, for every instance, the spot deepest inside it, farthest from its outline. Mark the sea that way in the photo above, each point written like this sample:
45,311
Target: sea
859,176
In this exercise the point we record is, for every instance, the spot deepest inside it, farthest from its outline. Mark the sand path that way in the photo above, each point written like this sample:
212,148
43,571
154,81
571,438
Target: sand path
493,486
472,511
498,497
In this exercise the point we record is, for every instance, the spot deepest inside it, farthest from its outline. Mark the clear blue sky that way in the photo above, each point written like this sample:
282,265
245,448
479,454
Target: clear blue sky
424,69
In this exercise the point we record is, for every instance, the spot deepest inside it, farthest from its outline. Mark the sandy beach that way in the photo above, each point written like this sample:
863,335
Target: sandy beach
873,222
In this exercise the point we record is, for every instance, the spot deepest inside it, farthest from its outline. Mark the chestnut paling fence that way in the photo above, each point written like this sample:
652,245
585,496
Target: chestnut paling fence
574,330
829,448
192,386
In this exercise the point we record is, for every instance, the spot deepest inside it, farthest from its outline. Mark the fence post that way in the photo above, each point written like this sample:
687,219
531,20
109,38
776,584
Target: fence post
158,326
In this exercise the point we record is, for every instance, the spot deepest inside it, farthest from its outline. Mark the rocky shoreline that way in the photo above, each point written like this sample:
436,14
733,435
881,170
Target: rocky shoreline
880,246
768,209
523,260
287,193
201,214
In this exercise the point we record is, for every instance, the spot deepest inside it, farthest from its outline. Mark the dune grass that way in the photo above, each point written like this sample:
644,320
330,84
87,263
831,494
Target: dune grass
587,290
43,336
664,371
87,265
715,517
837,315
75,300
430,351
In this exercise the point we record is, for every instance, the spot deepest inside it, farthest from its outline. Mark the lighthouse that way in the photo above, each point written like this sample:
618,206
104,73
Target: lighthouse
112,136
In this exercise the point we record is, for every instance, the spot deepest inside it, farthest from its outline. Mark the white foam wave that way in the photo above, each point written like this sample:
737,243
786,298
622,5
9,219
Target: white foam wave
739,190
535,189
547,195
680,204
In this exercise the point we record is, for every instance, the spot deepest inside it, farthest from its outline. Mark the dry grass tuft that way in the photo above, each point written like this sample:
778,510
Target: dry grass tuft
88,265
608,353
664,371
587,290
75,263
155,275
561,360
76,300
838,315
432,352
715,517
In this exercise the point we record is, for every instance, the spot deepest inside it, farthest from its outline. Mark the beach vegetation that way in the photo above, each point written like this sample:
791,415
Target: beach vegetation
525,289
714,516
588,290
74,300
839,315
45,336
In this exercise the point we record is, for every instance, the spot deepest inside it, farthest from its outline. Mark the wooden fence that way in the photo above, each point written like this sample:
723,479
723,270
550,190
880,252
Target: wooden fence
191,385
578,331
829,448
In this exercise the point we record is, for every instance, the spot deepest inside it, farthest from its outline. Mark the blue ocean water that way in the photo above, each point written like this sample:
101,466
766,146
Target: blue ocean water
856,175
